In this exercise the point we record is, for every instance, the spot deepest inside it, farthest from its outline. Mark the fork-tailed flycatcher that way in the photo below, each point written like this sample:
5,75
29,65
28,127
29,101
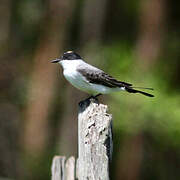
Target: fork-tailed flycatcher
91,79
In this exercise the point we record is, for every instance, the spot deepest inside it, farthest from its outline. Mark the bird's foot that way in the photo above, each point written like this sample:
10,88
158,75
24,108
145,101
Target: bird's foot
89,100
93,97
97,95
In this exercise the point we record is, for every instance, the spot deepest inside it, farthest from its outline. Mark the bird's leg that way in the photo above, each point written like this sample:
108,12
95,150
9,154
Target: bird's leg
90,97
97,95
94,97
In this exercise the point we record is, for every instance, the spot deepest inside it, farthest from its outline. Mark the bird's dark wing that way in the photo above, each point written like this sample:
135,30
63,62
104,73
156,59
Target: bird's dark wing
102,78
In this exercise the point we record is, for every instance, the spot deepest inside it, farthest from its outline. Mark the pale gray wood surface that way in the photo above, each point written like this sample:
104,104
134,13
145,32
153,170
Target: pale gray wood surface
62,169
94,141
57,168
70,169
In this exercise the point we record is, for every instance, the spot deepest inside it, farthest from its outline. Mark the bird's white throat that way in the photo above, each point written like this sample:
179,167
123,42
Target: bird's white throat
71,64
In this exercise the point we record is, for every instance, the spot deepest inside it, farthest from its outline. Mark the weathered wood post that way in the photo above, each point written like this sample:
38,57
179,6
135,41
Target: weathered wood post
94,145
62,169
94,141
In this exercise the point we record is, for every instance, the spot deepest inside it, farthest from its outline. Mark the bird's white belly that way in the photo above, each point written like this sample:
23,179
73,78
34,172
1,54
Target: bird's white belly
77,80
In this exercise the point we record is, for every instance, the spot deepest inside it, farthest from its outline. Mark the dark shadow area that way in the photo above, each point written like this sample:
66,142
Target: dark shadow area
85,103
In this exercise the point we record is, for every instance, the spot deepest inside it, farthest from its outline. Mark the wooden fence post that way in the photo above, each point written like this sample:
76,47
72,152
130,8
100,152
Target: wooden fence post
62,169
94,145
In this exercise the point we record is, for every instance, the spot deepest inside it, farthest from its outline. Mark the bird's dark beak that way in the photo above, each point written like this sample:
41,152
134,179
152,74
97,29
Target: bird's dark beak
55,60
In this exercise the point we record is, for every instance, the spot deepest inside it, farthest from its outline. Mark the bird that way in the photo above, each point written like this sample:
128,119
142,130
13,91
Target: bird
91,79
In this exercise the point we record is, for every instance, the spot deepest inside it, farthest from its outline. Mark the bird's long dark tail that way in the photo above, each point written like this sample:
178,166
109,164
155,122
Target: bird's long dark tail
131,90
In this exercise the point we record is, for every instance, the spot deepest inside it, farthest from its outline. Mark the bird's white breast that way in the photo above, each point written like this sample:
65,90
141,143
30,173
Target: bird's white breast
73,76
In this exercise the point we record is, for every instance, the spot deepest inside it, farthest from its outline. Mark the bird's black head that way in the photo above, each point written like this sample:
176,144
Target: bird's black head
69,55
